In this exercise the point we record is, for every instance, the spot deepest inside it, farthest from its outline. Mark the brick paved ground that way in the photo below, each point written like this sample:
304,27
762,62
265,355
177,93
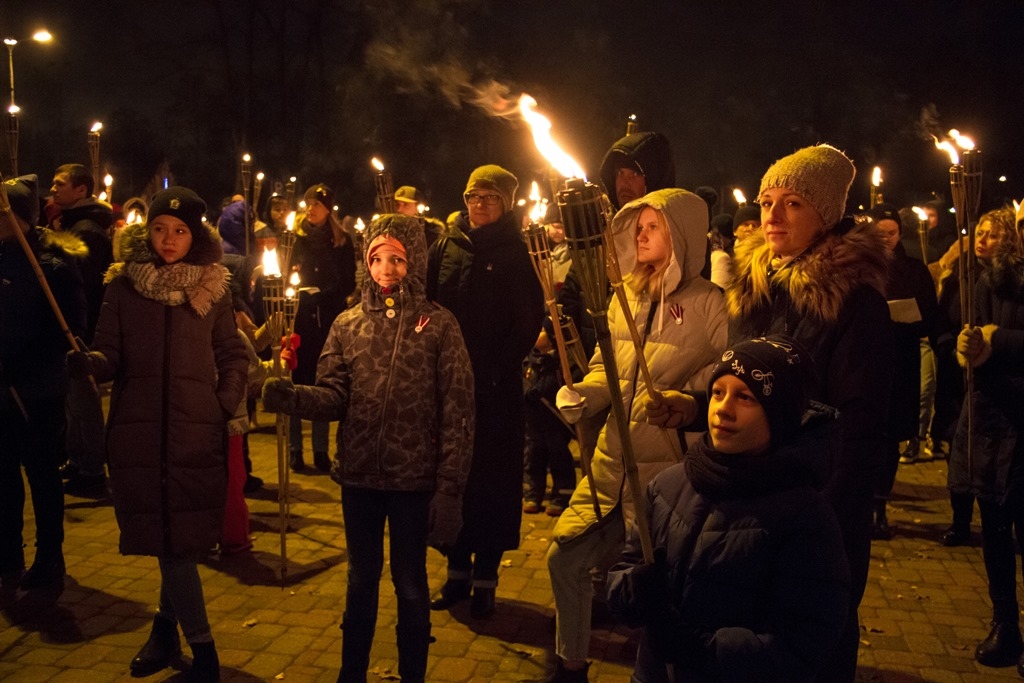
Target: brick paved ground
925,607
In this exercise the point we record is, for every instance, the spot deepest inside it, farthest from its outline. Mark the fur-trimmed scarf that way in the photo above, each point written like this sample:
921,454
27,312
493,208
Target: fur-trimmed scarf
819,280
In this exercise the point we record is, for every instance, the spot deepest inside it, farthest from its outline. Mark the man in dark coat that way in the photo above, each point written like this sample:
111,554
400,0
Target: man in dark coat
89,219
32,386
635,165
482,273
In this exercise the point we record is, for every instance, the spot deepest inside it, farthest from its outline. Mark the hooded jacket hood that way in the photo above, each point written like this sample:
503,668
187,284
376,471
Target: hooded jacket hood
687,216
646,153
409,232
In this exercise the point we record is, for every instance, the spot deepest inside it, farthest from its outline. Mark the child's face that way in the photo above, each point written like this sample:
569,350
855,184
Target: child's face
170,237
388,266
736,419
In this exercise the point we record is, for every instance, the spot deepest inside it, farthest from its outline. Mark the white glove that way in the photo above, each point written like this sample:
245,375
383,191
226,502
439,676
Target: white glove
570,404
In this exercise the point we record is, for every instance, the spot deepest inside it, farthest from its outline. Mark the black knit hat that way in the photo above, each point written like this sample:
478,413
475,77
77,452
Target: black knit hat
882,212
180,202
747,212
320,193
722,224
23,195
776,369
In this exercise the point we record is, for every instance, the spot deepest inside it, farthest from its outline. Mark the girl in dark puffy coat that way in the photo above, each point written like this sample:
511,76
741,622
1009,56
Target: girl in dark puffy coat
750,580
395,371
167,338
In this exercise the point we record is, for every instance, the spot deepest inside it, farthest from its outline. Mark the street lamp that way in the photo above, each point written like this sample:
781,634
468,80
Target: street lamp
42,36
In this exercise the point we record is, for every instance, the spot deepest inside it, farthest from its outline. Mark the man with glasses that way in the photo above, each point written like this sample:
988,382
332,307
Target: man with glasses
481,271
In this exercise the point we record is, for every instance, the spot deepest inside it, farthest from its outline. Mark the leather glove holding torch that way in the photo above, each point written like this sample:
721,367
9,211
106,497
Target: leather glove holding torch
974,345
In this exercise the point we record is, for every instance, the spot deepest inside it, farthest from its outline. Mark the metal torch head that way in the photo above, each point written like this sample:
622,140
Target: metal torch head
972,181
584,212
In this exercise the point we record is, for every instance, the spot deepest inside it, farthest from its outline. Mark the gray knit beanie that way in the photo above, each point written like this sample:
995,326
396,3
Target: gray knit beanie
495,178
822,175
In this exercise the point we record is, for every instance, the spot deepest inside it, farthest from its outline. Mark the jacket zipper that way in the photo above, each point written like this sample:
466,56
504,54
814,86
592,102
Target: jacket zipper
391,370
164,428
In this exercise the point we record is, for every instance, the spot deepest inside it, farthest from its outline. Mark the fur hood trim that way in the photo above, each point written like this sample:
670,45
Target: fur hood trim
69,243
817,281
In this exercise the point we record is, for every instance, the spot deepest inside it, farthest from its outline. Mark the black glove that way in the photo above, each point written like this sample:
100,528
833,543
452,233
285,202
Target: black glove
279,395
648,587
444,521
673,640
79,364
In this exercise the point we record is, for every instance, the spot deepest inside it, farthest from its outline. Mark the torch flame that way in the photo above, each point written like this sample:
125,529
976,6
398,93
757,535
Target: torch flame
377,164
539,207
876,176
289,293
947,146
921,215
293,279
95,127
260,176
246,158
108,180
962,141
270,265
541,126
741,198
133,217
360,225
289,221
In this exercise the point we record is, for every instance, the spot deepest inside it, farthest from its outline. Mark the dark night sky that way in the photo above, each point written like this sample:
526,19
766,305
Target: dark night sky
317,88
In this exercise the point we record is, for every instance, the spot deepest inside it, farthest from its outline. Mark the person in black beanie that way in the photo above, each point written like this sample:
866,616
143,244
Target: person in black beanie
33,382
749,579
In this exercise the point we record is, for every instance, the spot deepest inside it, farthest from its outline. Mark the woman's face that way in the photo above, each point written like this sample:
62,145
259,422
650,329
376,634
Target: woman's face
316,212
653,245
736,419
790,223
170,237
890,232
987,240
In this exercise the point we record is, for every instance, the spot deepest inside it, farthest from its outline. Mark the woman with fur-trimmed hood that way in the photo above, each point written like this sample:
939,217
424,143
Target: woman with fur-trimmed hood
167,338
661,242
820,278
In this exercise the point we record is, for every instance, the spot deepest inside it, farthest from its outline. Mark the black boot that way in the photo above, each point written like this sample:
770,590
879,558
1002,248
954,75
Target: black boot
955,536
46,572
322,461
296,462
453,591
205,664
482,605
413,644
1002,647
162,648
356,640
562,675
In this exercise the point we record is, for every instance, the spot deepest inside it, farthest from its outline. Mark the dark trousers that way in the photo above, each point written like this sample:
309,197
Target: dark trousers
37,444
85,442
547,448
999,524
406,513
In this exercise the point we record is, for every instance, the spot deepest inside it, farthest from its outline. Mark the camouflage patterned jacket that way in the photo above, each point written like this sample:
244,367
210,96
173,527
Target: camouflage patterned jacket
396,372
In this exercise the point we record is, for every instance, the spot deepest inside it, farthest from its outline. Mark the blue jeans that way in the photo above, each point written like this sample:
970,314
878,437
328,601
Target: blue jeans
406,512
181,598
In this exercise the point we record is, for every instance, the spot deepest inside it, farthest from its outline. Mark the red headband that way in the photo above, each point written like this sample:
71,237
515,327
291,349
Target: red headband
384,241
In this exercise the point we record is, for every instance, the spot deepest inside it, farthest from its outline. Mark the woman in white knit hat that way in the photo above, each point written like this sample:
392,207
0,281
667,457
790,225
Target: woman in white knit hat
820,278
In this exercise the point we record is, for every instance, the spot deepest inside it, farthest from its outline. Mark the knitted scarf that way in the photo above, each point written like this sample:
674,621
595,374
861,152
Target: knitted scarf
173,285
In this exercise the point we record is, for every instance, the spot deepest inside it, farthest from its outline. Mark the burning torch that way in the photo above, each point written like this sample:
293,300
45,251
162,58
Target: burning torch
94,149
385,187
279,304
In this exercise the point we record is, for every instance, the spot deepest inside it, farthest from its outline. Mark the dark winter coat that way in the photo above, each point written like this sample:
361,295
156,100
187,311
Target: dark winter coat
909,279
32,344
830,299
485,277
997,446
332,271
755,561
90,221
178,377
398,377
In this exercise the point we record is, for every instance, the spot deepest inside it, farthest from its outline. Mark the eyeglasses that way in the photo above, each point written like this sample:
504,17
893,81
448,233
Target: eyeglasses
485,199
